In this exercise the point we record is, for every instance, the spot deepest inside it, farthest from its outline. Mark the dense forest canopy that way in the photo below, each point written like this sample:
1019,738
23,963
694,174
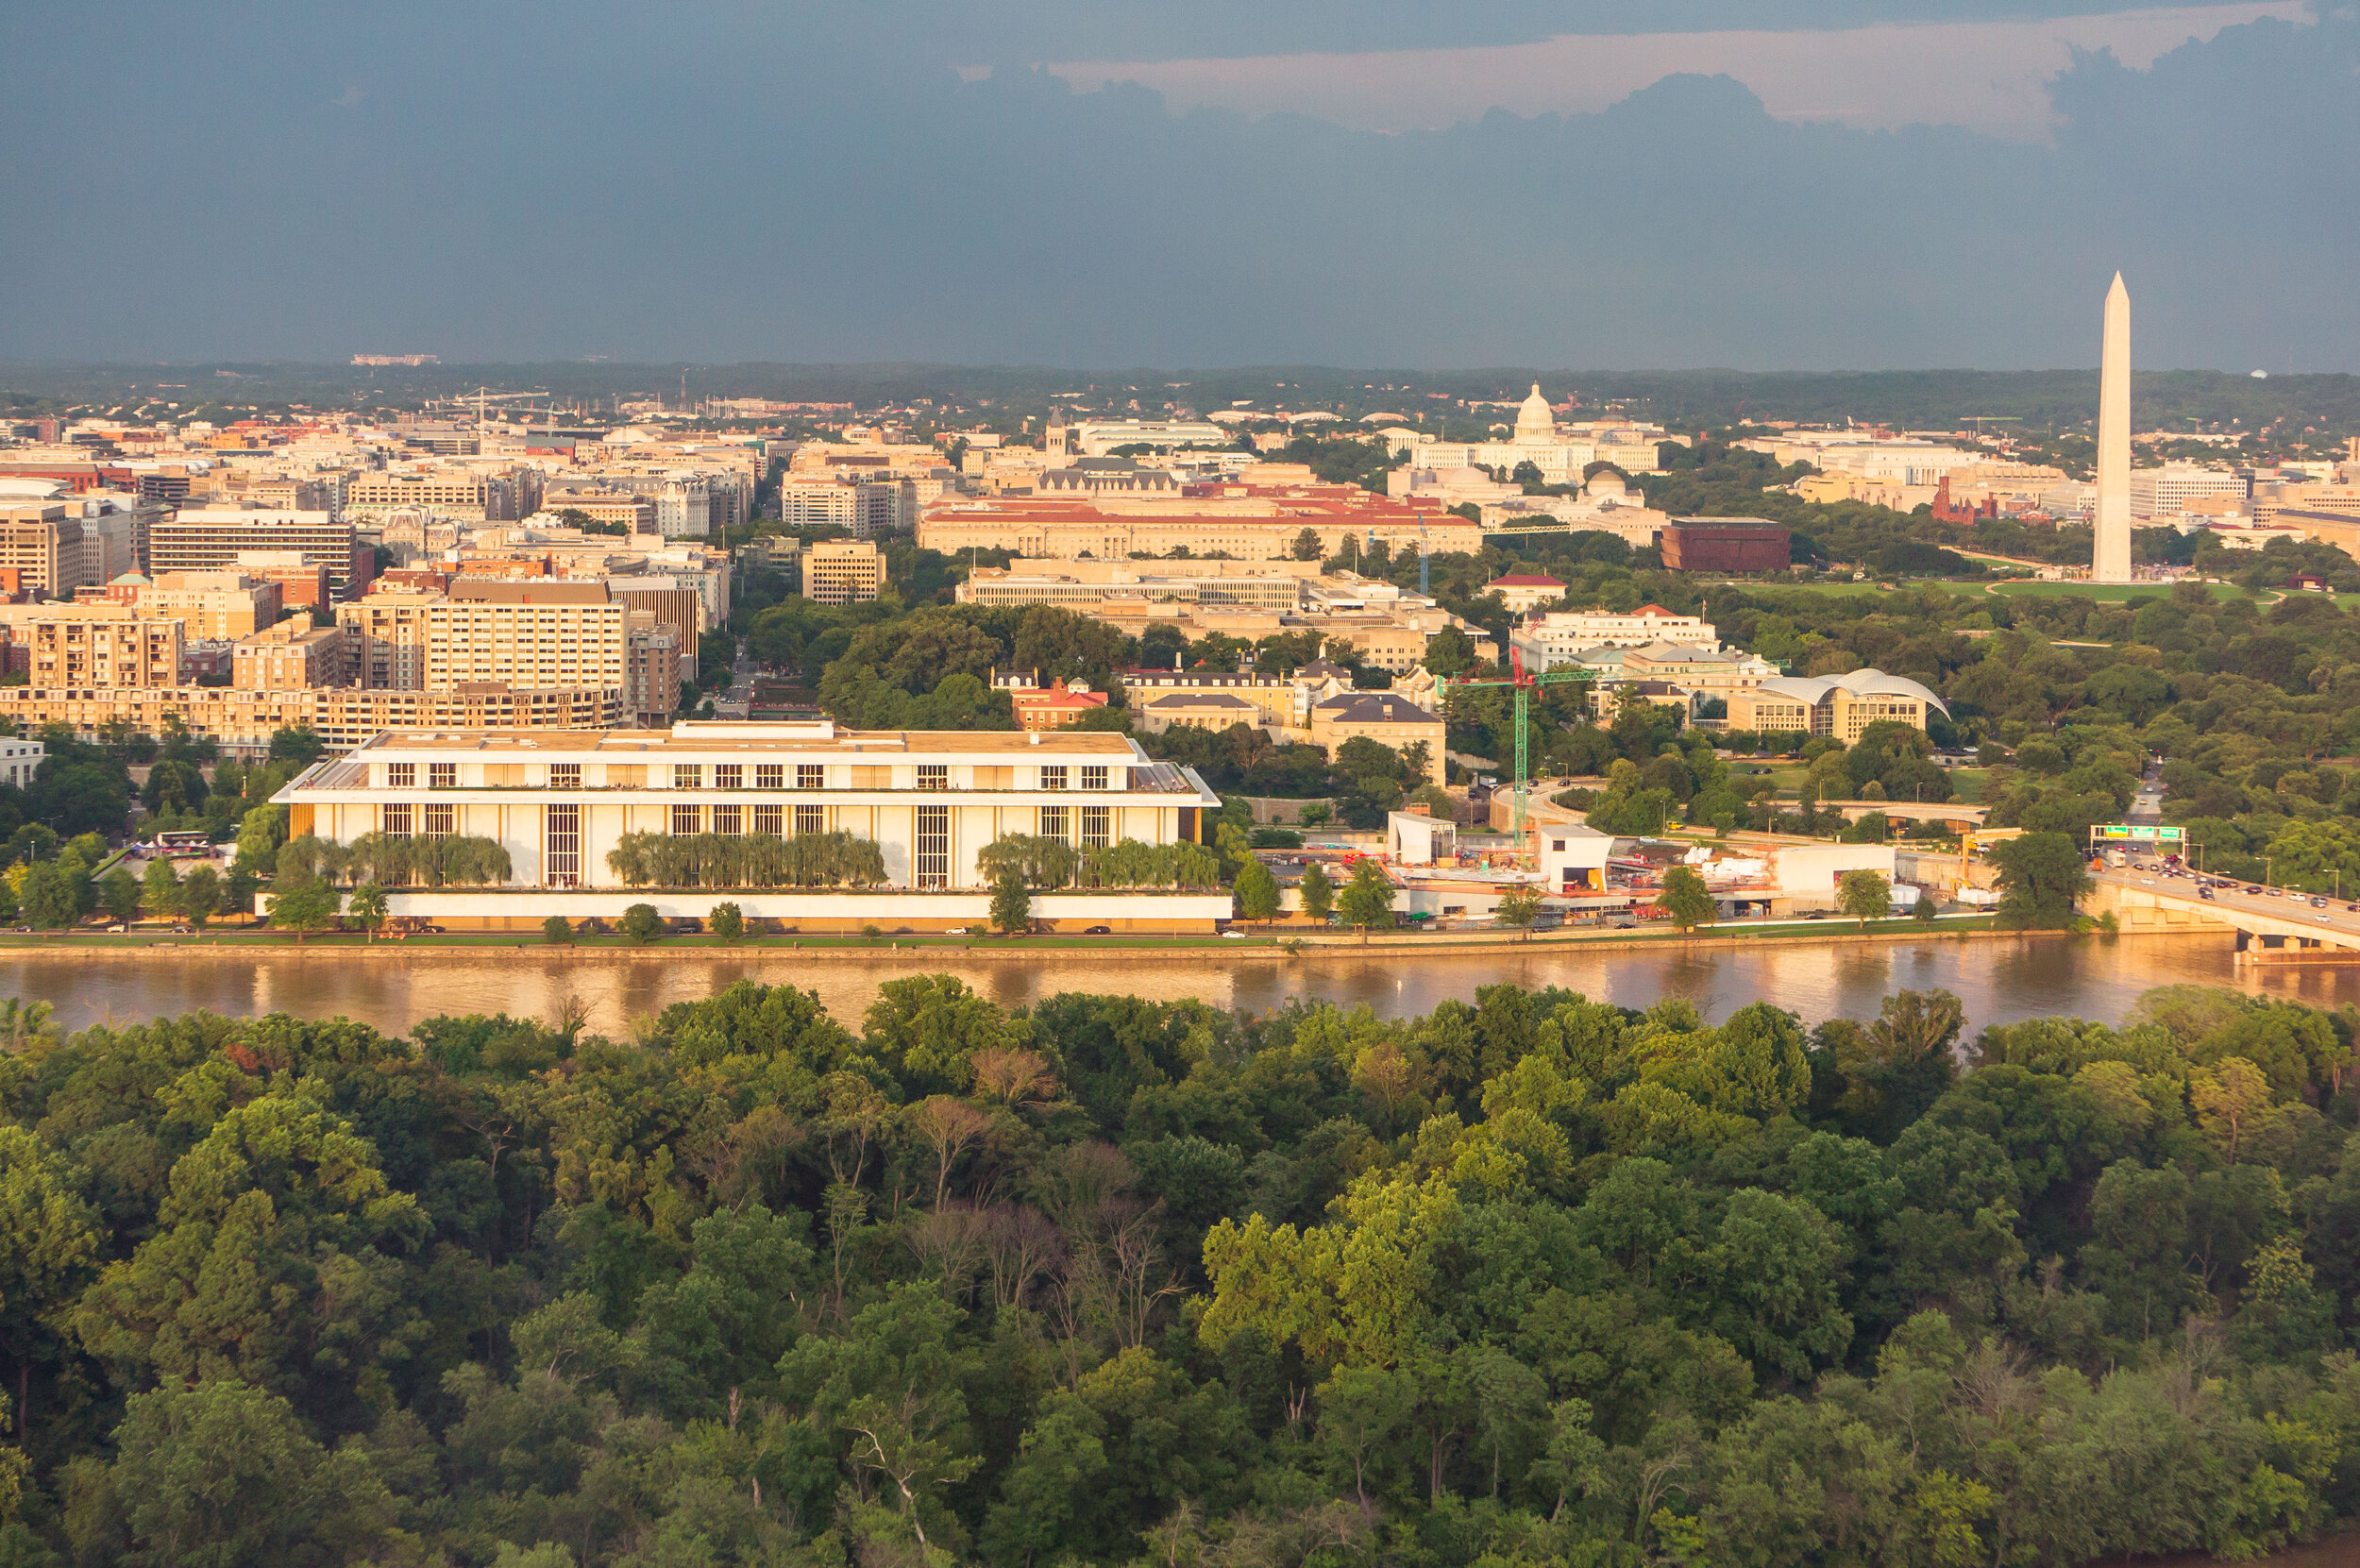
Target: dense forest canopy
1534,1280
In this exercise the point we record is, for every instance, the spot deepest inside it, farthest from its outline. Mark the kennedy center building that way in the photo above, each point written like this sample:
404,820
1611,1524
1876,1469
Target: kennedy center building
801,826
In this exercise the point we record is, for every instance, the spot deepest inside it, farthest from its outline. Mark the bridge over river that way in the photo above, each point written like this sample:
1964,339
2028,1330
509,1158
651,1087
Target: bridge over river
2282,929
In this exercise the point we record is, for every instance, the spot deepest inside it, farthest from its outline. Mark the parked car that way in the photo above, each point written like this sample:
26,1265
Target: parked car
1098,931
957,930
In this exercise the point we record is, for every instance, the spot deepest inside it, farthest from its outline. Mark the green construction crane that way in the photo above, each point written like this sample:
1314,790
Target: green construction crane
1522,685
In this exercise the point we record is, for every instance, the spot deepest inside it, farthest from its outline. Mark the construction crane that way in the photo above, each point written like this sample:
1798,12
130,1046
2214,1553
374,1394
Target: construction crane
1522,685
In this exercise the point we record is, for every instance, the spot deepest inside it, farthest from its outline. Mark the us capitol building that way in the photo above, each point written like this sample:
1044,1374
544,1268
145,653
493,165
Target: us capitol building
1561,456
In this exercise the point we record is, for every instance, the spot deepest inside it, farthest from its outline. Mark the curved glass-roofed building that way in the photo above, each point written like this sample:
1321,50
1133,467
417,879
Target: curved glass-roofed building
1837,705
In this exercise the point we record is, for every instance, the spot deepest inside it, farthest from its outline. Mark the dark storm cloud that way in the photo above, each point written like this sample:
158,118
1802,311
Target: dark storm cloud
736,183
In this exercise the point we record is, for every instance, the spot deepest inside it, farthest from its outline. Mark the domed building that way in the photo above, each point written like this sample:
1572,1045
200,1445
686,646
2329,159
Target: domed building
1535,439
1536,422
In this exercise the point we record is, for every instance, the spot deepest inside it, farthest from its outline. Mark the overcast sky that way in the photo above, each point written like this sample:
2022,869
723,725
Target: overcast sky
1616,183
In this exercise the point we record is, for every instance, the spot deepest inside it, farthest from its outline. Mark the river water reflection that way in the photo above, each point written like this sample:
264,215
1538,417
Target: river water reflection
1998,980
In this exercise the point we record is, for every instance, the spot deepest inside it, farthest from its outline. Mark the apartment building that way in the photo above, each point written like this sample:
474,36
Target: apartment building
212,605
927,803
41,549
385,637
98,645
667,603
291,656
241,721
452,493
539,634
870,509
210,538
653,662
303,584
843,571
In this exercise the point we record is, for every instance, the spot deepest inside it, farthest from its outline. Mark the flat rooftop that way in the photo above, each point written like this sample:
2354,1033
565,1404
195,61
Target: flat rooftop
762,738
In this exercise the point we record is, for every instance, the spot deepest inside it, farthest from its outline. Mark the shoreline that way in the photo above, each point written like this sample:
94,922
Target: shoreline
1257,949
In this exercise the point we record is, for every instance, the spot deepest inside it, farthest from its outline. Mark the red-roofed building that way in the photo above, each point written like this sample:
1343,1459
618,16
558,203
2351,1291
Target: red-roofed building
1525,591
1248,521
1055,706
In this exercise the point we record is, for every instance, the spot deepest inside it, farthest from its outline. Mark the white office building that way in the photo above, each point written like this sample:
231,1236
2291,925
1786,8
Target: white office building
804,826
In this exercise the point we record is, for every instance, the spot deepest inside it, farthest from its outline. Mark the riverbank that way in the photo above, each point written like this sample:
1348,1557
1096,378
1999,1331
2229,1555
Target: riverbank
1297,945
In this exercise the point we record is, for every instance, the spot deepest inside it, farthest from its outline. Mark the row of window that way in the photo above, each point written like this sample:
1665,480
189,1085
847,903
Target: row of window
432,821
734,820
1096,822
732,775
729,775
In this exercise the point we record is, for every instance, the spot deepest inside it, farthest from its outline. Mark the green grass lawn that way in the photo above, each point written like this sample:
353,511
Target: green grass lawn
1966,784
2111,593
2105,593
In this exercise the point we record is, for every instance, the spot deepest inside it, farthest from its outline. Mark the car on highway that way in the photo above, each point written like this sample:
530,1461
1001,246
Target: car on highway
2204,892
2255,888
2317,902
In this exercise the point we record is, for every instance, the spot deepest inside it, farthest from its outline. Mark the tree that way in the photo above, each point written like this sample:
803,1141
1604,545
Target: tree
1258,892
1307,545
307,906
1864,895
1924,910
119,894
300,746
726,921
221,1472
199,895
160,889
642,924
2229,1098
557,929
367,908
1686,899
1011,905
2040,876
49,899
1519,907
1368,898
1319,892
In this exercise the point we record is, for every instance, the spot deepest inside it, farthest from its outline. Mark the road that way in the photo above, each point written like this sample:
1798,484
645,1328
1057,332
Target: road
734,701
2146,806
2289,907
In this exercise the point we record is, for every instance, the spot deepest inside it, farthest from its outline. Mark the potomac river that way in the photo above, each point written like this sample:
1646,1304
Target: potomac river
1999,979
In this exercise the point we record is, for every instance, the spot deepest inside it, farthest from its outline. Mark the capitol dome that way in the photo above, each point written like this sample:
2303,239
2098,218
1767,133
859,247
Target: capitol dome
1534,420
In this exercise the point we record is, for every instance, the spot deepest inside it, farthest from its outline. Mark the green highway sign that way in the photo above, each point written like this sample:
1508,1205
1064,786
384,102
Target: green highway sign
2136,833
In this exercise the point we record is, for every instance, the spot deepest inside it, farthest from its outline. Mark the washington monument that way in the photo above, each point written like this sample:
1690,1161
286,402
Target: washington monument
2111,559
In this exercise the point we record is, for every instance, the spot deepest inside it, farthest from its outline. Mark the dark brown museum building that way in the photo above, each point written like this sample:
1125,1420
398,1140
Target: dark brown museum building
1742,544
